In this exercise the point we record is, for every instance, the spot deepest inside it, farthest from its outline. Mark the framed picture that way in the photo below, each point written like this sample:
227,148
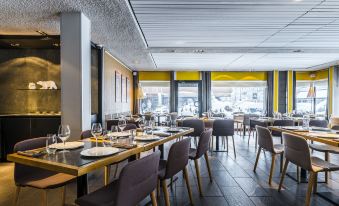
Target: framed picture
123,89
117,86
128,88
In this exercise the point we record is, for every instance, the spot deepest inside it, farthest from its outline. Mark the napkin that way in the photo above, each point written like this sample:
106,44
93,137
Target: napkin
32,153
161,134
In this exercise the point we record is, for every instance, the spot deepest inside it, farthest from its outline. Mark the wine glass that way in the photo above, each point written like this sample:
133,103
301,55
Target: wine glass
122,124
96,131
63,133
51,139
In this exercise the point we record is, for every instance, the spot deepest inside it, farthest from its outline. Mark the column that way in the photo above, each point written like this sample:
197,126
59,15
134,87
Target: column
75,29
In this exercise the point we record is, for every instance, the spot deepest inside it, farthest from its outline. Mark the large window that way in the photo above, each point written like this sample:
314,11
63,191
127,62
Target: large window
313,105
156,96
239,96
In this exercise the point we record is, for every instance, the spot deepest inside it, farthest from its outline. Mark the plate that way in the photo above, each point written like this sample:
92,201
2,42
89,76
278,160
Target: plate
68,145
146,138
119,134
99,151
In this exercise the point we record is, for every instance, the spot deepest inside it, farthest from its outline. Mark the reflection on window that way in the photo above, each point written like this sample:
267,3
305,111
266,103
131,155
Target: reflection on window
157,94
238,96
317,105
188,99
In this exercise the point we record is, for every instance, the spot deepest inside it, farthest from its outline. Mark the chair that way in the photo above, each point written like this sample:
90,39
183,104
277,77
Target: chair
198,126
335,127
26,176
130,127
318,123
257,123
224,128
86,134
247,123
196,154
177,161
281,123
298,153
137,180
265,141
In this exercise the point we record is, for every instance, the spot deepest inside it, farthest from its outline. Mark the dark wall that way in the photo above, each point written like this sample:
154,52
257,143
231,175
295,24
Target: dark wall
282,96
18,67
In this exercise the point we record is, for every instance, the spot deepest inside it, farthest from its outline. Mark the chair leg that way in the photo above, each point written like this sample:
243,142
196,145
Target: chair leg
235,155
227,143
196,163
166,195
16,197
327,159
107,173
283,175
188,185
208,166
256,139
154,199
257,159
309,189
44,198
63,193
272,170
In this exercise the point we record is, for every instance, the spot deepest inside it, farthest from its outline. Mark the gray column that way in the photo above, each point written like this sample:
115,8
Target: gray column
335,92
75,29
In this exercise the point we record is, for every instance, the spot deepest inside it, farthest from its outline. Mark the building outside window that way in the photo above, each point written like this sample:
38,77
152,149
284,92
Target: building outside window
156,97
239,96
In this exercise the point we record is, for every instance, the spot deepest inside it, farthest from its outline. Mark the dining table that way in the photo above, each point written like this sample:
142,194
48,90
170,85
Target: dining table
73,163
316,134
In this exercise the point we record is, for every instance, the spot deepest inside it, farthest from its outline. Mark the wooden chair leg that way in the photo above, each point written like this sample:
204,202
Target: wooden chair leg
107,173
309,189
166,195
283,175
16,196
208,166
63,193
188,185
154,199
196,163
327,159
44,198
257,159
315,184
272,170
235,155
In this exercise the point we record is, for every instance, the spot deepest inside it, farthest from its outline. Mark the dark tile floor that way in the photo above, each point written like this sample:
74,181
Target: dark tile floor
234,182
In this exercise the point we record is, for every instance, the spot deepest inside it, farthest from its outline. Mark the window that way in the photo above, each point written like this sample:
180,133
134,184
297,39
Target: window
238,96
156,96
316,105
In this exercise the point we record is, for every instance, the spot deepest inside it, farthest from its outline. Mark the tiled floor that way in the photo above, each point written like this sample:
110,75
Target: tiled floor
234,182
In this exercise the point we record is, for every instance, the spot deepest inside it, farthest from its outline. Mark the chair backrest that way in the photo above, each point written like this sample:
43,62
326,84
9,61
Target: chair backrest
23,172
223,127
177,157
204,142
247,119
265,140
149,116
86,134
110,123
137,180
318,123
297,151
130,126
281,122
197,124
259,123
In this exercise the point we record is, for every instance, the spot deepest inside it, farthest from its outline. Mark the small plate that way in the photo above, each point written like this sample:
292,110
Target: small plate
99,151
146,138
118,134
68,145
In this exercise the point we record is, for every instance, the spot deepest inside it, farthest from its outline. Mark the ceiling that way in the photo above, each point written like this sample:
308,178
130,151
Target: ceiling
196,34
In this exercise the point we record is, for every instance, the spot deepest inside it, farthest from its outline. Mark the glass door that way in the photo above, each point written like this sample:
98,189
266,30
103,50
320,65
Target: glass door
188,98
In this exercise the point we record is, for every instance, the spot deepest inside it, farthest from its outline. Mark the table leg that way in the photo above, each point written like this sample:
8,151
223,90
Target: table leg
217,145
244,131
161,148
82,187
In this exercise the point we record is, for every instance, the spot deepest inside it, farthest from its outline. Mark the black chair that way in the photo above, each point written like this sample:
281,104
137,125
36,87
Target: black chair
26,176
137,180
197,124
177,161
282,123
196,154
224,128
318,123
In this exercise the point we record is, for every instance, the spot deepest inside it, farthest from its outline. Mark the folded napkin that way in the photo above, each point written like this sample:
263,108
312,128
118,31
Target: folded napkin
161,134
32,153
124,145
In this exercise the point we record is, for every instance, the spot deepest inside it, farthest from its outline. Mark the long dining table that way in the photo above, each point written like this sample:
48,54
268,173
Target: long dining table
75,164
325,136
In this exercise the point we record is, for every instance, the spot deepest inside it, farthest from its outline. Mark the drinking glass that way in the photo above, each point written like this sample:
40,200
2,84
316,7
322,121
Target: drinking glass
63,133
51,139
122,124
96,132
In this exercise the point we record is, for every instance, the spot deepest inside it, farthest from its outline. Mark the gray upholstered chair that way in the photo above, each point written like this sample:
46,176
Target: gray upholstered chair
224,128
298,153
137,180
281,123
265,141
130,126
318,123
257,123
26,176
197,124
177,161
196,154
86,134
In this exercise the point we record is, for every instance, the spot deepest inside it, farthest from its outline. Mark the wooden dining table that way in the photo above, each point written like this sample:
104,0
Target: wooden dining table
325,136
75,164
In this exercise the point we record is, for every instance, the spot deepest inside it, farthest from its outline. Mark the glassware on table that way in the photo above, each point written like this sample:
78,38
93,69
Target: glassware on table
306,121
96,132
114,129
51,139
64,133
122,124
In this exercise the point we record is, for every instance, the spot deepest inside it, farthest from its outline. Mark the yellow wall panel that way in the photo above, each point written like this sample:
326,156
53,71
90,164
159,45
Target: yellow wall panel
188,75
304,76
290,91
239,76
330,90
156,76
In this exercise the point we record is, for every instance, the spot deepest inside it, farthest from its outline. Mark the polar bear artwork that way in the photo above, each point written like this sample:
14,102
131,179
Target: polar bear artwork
47,85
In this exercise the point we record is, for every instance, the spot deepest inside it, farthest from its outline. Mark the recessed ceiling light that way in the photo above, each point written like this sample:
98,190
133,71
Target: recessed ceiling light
15,44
